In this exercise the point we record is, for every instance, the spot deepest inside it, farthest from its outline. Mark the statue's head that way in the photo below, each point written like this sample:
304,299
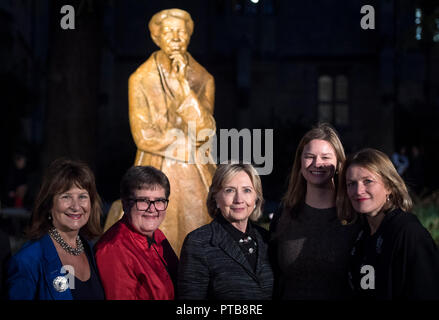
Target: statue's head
171,30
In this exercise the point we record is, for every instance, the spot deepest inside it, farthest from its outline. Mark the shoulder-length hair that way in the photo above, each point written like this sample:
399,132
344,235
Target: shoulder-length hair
223,174
61,175
297,185
379,164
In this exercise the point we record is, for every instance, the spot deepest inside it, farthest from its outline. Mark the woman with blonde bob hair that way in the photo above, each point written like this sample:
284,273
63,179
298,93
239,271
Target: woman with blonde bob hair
380,164
228,258
311,246
394,256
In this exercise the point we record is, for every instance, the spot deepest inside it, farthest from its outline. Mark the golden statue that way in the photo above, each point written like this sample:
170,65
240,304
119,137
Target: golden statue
171,100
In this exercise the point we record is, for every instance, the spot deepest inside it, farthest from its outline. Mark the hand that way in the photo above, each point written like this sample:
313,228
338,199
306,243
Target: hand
178,65
178,68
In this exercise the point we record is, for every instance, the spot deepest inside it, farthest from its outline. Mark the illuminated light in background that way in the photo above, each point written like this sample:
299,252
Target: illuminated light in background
418,18
436,35
418,35
254,1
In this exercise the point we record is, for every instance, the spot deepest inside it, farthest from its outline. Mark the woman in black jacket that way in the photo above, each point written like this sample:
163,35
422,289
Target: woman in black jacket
228,258
394,256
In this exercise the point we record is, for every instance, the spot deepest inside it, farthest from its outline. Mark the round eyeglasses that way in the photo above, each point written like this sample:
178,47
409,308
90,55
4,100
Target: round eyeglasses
144,204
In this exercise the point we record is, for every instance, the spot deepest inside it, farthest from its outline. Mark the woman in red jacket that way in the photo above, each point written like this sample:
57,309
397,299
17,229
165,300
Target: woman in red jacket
134,258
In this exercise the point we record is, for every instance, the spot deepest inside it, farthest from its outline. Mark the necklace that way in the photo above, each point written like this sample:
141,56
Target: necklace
70,250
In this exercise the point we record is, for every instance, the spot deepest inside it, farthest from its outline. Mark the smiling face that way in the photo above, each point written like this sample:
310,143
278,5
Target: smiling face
173,37
71,209
318,162
146,222
237,198
365,190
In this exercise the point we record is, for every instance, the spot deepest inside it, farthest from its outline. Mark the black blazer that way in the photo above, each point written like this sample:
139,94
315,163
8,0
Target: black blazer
212,266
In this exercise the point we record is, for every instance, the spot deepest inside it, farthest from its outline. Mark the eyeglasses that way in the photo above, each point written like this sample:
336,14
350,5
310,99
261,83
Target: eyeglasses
143,204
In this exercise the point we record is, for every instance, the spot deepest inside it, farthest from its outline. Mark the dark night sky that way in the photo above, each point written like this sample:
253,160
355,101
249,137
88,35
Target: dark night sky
265,58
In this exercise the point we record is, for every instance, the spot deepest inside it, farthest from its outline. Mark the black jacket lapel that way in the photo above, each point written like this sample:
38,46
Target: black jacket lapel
223,240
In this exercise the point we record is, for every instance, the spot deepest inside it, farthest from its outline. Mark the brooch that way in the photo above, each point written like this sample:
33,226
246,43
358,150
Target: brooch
60,284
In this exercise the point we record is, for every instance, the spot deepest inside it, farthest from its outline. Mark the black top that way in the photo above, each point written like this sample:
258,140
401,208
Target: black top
246,241
90,289
312,254
399,261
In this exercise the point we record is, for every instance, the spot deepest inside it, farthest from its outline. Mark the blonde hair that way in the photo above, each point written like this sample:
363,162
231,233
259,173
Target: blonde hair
378,163
297,185
156,21
224,173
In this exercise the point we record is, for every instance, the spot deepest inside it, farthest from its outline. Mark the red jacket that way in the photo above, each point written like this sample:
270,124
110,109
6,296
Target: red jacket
132,269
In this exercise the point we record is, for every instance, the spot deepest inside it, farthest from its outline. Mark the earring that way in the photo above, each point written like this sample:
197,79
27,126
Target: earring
49,217
388,198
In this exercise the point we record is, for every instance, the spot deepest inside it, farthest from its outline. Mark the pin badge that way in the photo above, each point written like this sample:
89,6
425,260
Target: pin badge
60,284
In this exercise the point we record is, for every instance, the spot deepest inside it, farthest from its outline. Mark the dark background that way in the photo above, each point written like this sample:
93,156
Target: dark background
278,64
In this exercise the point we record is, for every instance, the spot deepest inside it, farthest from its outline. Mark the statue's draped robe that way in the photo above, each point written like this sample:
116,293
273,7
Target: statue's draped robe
172,134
